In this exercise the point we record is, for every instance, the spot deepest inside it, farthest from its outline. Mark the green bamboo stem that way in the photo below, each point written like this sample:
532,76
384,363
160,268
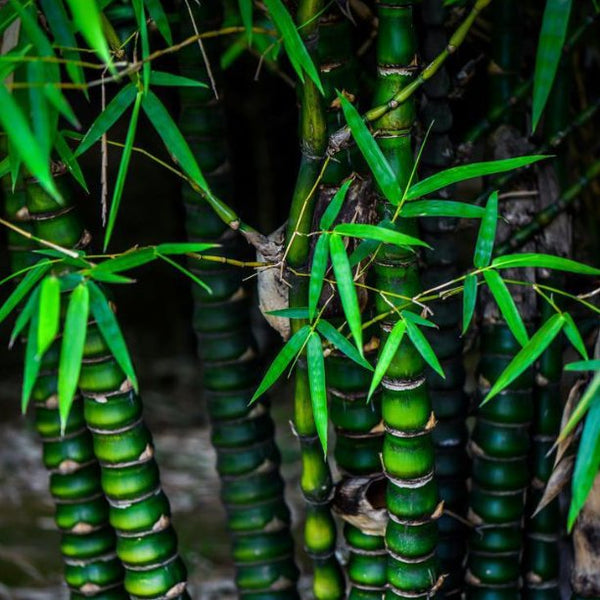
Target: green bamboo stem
138,509
243,436
447,395
316,484
92,569
408,450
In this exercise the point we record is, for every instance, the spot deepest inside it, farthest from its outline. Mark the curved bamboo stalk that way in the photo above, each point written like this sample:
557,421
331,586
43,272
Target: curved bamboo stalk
247,457
449,401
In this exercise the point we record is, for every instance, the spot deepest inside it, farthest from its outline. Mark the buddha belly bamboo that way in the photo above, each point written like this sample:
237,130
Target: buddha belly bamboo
408,450
138,509
92,569
448,398
247,458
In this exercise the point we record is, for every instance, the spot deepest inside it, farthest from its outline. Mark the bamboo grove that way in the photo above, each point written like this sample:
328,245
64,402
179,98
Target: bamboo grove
430,288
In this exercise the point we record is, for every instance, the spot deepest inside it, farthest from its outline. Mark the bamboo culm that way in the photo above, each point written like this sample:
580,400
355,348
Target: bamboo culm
408,449
247,457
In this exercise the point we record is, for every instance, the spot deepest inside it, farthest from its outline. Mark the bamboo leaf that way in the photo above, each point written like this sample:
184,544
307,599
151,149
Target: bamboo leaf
584,365
386,355
39,110
549,50
342,344
543,261
111,332
290,313
441,208
24,142
507,306
246,11
140,17
282,360
187,273
487,233
25,285
123,170
184,247
171,136
448,177
587,462
364,250
417,319
317,273
346,289
126,261
528,354
379,233
294,46
67,156
32,360
25,316
88,19
469,300
49,317
170,80
573,335
582,407
71,351
317,386
424,347
110,277
157,14
334,207
378,164
107,118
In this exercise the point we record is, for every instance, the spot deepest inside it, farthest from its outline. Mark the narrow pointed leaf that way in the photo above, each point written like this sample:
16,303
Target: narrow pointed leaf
584,365
346,289
379,233
424,347
441,208
124,262
507,306
282,360
140,17
364,250
342,344
300,312
592,390
171,80
71,351
49,317
32,360
111,332
378,164
184,248
417,319
67,156
246,14
454,175
386,355
469,300
317,386
543,261
317,273
573,335
528,354
487,233
185,271
334,207
87,18
157,14
25,316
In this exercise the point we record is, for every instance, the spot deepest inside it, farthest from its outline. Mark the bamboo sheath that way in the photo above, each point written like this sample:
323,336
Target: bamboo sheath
408,449
247,457
449,401
139,511
92,569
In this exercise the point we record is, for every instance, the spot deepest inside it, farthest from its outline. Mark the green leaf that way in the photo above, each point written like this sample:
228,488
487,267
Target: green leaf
379,233
184,248
123,170
294,46
25,285
538,343
549,50
25,316
334,207
4,167
417,319
282,360
317,273
364,250
170,80
441,208
111,332
346,289
543,261
584,365
171,136
187,273
140,17
126,261
448,177
32,360
378,164
246,10
507,306
574,336
88,19
67,156
290,313
487,233
39,110
587,462
582,407
157,14
386,355
110,277
49,317
469,300
342,344
424,347
71,351
24,142
107,118
317,386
